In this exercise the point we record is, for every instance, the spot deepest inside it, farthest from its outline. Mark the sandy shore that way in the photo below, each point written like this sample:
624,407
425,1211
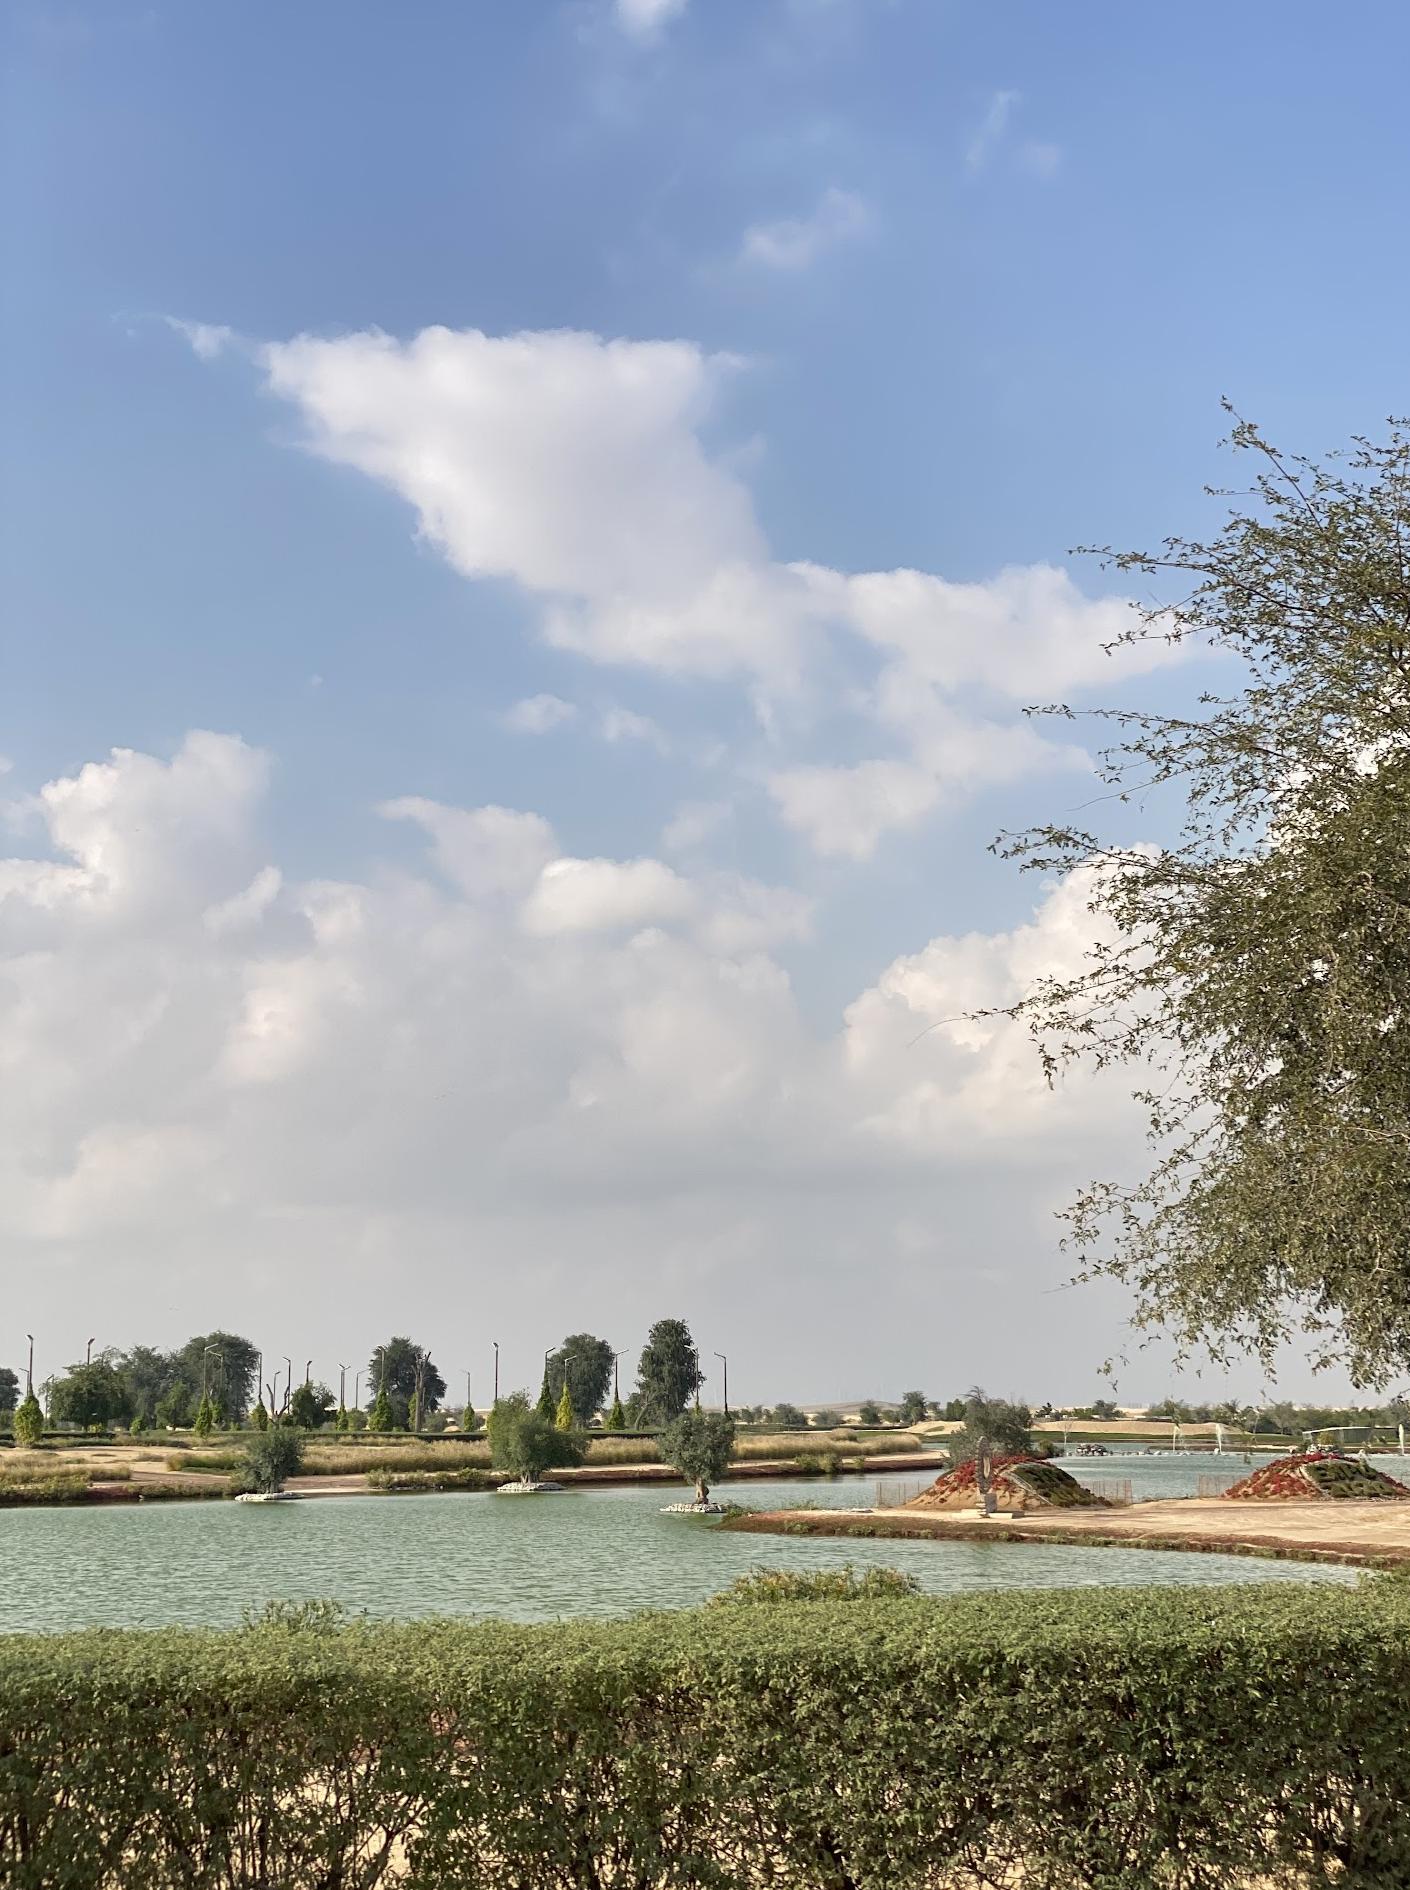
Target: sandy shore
1373,1534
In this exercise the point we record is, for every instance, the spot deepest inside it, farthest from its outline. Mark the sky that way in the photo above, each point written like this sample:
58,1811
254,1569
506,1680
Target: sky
529,531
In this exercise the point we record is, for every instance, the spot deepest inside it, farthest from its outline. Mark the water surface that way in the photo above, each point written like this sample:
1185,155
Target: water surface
585,1552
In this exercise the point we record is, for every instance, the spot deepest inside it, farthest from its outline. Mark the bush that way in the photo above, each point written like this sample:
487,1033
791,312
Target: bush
820,1584
526,1443
1157,1739
397,1482
29,1422
52,1486
270,1457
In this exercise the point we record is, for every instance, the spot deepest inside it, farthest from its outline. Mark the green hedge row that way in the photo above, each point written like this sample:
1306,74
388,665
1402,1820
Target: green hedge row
1111,1740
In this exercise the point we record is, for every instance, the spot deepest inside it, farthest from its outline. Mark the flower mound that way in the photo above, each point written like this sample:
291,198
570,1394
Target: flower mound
1019,1483
1321,1476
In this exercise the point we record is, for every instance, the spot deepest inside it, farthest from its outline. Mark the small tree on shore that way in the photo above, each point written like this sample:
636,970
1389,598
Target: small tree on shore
29,1421
563,1416
1007,1427
869,1414
616,1419
526,1443
270,1457
914,1405
699,1444
379,1418
204,1422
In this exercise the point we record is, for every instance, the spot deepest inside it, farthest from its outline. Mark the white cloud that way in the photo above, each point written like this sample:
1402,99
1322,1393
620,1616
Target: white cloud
207,339
617,724
496,1050
991,130
793,243
537,715
647,19
693,823
580,469
843,812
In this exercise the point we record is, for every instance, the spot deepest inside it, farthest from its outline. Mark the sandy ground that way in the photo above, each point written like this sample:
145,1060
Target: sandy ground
1340,1532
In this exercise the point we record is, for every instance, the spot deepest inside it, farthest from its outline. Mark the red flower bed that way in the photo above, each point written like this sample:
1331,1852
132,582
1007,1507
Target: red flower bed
1320,1475
1018,1481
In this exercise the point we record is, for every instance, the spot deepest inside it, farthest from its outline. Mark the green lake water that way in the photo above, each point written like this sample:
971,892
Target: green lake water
584,1552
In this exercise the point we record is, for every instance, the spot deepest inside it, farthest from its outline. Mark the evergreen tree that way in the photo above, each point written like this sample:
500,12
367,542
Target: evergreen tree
668,1372
259,1417
546,1406
563,1417
379,1418
616,1419
29,1421
204,1422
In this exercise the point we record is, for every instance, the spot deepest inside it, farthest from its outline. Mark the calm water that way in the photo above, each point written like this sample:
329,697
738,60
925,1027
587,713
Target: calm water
599,1552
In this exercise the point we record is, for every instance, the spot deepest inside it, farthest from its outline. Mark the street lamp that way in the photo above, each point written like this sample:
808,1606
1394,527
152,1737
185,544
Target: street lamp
342,1385
725,1362
205,1369
495,1344
289,1384
308,1371
357,1391
617,1377
29,1369
88,1358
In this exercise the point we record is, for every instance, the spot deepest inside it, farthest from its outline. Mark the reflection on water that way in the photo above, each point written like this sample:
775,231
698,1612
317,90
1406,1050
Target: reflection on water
586,1552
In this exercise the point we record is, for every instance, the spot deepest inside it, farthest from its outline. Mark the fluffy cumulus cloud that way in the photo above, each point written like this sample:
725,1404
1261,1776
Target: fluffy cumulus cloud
212,1069
584,470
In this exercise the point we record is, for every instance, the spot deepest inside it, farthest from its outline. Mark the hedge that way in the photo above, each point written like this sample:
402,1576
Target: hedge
1113,1740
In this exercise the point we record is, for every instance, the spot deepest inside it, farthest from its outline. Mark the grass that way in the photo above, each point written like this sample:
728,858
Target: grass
328,1459
408,1482
54,1486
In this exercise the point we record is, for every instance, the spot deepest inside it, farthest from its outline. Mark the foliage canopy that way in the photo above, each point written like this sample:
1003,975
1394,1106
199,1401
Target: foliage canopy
1255,969
699,1445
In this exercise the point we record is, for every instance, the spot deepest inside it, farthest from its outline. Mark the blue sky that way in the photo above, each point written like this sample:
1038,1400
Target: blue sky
948,290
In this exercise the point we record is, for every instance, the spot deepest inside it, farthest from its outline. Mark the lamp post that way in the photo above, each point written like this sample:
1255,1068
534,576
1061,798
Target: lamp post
289,1386
342,1385
88,1356
29,1369
725,1362
205,1370
357,1391
495,1344
467,1391
616,1378
308,1371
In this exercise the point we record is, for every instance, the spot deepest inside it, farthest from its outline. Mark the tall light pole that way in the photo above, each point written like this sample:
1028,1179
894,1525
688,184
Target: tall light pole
467,1392
357,1391
29,1369
725,1362
495,1344
289,1385
342,1385
616,1378
259,1375
205,1370
88,1357
308,1371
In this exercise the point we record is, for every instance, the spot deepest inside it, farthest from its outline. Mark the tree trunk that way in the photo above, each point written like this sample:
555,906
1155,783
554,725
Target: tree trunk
702,1491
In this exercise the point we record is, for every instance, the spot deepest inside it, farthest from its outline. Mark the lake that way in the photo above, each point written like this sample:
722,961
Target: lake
585,1552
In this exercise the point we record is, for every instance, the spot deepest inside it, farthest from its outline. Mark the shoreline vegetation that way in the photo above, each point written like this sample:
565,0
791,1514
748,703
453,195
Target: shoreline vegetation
99,1470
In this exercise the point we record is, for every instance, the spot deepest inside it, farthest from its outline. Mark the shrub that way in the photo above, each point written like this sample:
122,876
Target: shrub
29,1422
817,1463
52,1486
408,1481
1162,1739
270,1457
526,1443
819,1584
379,1418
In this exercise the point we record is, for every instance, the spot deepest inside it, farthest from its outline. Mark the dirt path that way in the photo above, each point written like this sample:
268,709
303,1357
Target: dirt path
1369,1533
